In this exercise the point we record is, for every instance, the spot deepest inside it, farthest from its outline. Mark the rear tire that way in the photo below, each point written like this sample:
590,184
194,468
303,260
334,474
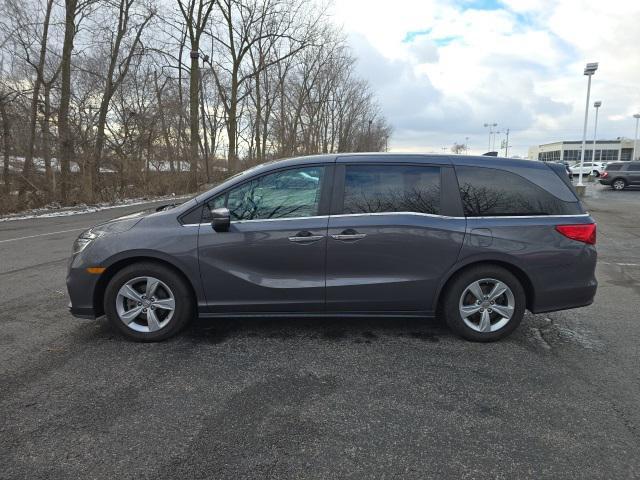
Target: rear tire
618,184
484,319
148,302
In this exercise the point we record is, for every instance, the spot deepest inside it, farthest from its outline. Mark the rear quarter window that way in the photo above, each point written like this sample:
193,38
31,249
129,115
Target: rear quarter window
613,167
494,192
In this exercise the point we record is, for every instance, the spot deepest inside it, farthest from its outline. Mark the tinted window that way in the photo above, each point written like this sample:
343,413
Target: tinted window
634,166
614,167
492,192
392,188
283,194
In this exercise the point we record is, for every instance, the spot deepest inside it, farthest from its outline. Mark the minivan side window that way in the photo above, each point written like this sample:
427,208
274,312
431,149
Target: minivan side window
283,194
391,188
493,192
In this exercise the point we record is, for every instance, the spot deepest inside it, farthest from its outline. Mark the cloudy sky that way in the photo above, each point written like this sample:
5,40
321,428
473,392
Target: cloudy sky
441,69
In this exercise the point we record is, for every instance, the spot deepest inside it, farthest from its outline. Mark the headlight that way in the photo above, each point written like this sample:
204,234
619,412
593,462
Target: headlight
84,240
88,236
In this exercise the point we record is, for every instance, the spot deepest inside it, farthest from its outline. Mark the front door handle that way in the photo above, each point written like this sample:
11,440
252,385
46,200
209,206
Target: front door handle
305,236
348,234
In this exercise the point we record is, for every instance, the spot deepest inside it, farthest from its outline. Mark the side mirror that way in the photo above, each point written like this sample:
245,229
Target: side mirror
220,219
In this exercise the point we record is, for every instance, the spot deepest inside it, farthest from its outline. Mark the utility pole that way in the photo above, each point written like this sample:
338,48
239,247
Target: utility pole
635,140
506,145
596,105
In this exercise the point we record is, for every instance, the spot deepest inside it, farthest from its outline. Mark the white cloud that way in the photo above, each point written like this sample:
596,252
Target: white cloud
442,69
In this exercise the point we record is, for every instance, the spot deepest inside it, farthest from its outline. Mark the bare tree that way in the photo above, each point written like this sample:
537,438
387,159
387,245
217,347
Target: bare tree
196,15
130,26
458,148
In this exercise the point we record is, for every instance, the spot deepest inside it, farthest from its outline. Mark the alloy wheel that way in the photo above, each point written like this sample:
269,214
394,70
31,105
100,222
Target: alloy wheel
145,304
487,305
618,185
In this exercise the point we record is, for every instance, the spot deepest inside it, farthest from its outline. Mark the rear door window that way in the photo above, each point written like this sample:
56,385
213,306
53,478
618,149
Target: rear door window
493,192
391,188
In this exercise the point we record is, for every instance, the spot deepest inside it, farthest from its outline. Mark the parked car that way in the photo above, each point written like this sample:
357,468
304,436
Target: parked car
588,168
620,175
477,239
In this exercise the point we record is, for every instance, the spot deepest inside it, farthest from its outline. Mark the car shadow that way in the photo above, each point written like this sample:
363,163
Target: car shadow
355,330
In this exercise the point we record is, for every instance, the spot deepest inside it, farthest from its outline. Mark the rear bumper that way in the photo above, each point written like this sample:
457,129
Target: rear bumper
571,285
605,181
565,299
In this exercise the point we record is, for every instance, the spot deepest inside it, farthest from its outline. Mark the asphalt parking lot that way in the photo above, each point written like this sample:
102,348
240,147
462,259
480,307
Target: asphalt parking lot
321,399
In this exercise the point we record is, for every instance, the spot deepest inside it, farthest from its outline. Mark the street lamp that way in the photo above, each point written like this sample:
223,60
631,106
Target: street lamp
589,70
466,145
635,141
597,105
490,125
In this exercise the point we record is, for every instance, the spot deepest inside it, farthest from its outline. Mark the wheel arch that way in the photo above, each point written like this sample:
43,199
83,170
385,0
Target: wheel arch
119,264
518,272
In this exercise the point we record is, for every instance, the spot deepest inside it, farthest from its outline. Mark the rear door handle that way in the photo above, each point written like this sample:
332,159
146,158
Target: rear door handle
305,236
348,234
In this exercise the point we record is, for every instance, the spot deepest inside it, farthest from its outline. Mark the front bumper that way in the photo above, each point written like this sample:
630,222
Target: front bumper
81,287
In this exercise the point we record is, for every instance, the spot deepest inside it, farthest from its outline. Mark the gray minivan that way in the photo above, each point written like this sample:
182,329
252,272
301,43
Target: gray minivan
476,240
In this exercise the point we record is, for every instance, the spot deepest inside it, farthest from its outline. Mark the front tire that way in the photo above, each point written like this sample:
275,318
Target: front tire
148,302
484,303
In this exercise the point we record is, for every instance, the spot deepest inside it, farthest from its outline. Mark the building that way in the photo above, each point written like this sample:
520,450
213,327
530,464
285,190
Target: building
569,151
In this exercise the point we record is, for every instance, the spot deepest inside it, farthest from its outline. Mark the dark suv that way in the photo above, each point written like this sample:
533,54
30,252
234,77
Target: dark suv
475,239
621,174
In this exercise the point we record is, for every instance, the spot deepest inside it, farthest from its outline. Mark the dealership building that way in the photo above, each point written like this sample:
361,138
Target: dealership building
569,151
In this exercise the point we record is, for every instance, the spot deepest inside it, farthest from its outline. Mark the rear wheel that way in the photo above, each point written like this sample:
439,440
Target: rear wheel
148,302
484,303
618,184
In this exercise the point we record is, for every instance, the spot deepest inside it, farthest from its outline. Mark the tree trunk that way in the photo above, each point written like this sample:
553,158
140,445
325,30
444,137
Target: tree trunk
65,141
163,125
6,144
193,119
232,123
46,145
33,118
205,137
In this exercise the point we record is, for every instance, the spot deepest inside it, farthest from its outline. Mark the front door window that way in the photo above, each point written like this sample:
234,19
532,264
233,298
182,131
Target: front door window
283,194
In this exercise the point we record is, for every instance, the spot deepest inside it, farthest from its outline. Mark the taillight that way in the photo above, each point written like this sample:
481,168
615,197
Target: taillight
584,232
604,175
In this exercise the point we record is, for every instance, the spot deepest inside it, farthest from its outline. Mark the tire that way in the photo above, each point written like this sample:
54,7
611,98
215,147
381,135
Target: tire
596,173
125,301
618,184
460,294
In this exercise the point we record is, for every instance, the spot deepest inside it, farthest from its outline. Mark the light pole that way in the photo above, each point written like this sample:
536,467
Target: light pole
596,105
635,141
490,125
506,145
589,70
466,145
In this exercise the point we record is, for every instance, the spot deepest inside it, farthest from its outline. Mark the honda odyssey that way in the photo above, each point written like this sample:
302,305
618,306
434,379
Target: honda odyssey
477,240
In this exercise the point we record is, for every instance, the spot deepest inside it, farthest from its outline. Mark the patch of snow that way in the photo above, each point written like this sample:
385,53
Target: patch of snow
54,209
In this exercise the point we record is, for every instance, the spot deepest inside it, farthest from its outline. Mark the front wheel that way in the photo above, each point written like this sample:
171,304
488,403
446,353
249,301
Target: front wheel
148,302
484,303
